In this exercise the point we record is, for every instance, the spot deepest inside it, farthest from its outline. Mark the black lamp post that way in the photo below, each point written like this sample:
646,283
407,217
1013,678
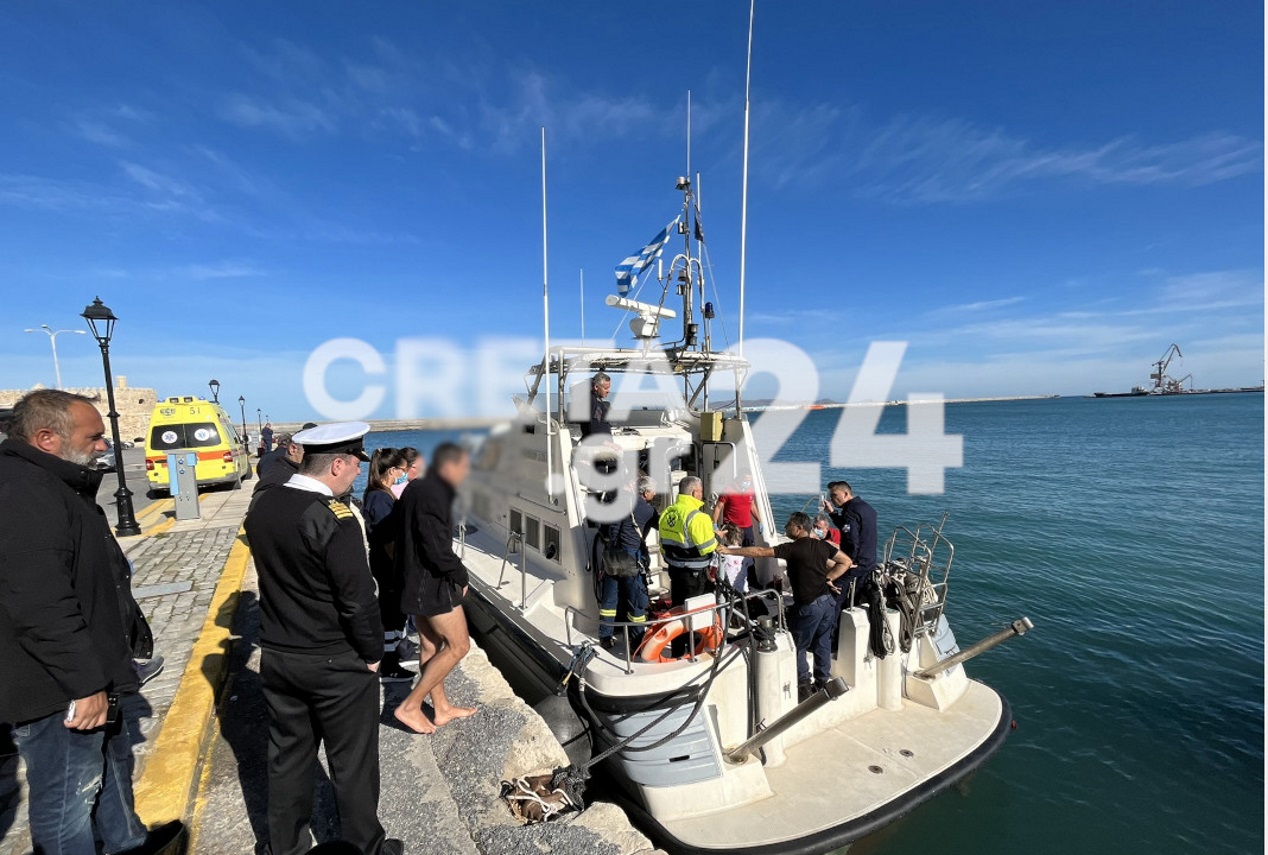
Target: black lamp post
214,386
246,443
259,420
101,323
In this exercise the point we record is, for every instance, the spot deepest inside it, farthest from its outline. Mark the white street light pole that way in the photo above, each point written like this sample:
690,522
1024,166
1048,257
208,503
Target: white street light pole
52,337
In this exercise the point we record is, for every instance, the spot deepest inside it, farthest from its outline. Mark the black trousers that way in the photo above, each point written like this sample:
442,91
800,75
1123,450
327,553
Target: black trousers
390,584
682,585
318,699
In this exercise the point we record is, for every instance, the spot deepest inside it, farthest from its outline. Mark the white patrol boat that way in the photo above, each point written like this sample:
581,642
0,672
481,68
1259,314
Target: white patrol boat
711,752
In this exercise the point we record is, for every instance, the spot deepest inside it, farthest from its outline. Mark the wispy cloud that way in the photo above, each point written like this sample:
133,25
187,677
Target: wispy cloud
925,160
1219,289
293,117
100,133
978,306
157,182
386,91
568,113
50,194
196,272
111,126
222,270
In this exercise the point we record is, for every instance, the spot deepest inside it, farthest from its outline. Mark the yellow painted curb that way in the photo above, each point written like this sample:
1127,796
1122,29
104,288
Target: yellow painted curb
159,527
171,773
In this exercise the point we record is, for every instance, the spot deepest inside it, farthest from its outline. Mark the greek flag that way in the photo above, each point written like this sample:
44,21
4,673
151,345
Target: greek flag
627,271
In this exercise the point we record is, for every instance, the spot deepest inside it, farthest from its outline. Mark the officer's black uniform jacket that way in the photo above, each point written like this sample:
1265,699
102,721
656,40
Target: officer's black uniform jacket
68,622
316,592
857,521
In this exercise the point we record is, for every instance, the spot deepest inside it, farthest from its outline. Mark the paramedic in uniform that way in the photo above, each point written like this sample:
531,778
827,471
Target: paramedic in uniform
687,543
321,640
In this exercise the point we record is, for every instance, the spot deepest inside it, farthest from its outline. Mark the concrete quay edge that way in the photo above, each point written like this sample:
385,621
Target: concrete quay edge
165,789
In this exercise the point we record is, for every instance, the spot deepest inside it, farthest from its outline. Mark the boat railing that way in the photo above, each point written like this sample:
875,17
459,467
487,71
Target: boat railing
927,555
722,613
515,546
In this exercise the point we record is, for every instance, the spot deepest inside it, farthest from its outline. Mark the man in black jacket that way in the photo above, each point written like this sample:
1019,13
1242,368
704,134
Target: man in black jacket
69,629
286,452
322,639
435,583
857,521
276,467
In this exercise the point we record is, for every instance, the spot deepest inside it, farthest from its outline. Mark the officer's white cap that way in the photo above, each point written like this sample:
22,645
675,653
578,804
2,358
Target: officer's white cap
335,438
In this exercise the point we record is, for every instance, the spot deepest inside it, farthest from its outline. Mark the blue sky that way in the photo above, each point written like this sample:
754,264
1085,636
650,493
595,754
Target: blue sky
1039,196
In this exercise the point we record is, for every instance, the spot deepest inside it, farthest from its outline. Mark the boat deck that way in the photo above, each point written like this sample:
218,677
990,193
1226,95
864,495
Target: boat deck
856,777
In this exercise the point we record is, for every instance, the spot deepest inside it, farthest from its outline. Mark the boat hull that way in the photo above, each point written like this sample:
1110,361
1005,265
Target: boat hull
839,759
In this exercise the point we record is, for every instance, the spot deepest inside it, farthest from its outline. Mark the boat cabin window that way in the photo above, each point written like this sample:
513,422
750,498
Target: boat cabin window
517,521
550,548
480,504
533,533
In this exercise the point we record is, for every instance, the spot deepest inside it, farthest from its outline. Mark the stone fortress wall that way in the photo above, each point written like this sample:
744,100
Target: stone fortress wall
134,405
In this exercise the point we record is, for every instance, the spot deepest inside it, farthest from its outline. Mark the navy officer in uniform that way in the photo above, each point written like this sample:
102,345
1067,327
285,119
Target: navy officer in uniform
321,640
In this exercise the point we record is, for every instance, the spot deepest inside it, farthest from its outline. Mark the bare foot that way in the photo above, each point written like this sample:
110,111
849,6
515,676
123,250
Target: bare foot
415,720
448,715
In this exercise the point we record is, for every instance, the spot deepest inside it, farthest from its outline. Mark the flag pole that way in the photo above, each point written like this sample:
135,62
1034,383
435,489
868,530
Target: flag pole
748,73
550,473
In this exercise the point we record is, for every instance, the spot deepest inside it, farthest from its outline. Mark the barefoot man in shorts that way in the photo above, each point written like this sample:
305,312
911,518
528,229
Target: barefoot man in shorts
435,583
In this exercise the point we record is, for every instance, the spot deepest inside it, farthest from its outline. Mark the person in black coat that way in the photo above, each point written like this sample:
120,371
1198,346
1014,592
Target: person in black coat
386,466
435,581
285,452
69,629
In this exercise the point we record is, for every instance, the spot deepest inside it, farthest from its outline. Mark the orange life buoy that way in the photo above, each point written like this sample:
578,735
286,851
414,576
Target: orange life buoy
654,645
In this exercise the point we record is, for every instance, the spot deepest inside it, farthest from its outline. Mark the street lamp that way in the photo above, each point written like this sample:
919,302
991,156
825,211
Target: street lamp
246,443
52,337
101,322
214,386
259,419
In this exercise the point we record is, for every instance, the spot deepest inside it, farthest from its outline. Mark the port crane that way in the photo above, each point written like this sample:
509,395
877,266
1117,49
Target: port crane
1164,384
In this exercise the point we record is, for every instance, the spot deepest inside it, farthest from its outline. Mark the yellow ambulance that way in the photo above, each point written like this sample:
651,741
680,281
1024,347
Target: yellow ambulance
193,424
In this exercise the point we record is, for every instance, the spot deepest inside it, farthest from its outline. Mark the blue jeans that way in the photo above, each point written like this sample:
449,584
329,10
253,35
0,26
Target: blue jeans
812,626
79,787
633,589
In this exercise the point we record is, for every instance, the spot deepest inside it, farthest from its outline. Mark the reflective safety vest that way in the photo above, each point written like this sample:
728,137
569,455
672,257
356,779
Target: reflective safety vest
686,535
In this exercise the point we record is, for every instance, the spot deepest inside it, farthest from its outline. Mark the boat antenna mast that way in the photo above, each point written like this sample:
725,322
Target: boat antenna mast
550,480
748,76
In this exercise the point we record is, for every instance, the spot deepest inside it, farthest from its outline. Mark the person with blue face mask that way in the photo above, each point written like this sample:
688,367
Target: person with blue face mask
387,468
414,465
825,530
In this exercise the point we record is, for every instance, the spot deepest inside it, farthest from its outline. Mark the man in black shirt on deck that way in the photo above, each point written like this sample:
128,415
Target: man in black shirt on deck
814,566
322,639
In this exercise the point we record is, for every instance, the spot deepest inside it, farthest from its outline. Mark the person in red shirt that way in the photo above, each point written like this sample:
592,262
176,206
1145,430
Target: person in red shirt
738,505
825,530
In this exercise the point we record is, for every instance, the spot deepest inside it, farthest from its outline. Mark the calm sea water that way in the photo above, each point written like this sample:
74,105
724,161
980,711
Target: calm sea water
1131,531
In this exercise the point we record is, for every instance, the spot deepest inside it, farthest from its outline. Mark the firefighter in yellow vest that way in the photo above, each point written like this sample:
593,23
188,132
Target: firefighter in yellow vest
687,543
